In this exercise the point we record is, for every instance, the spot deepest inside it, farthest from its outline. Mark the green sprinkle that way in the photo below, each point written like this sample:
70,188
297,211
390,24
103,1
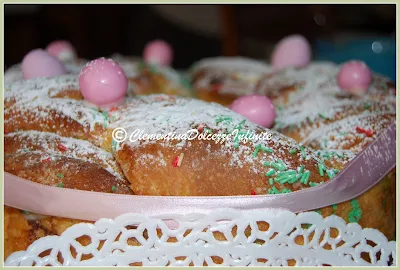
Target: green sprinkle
114,145
240,125
267,164
223,118
25,150
113,188
262,148
105,115
255,153
367,106
303,152
273,190
286,190
294,178
339,155
301,169
60,175
282,164
267,149
312,184
207,130
330,174
292,151
319,211
305,177
321,169
356,212
271,181
309,119
27,212
327,155
270,172
334,207
61,185
323,116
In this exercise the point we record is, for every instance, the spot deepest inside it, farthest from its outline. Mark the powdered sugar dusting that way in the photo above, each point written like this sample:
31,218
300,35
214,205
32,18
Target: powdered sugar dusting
32,97
162,114
52,145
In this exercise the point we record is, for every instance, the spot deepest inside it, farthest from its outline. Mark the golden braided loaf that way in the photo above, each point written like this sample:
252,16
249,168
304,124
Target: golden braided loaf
51,132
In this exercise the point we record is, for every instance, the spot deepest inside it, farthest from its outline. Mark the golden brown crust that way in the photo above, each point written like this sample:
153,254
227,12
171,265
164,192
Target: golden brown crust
209,167
16,231
52,146
206,168
64,173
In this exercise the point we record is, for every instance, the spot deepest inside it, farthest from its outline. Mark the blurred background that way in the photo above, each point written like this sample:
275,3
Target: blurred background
336,32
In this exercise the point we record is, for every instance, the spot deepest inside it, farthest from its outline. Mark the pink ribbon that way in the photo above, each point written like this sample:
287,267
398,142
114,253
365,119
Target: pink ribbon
363,172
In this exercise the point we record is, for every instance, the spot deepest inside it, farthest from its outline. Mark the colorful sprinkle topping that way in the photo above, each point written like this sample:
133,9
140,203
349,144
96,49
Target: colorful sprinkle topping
369,133
262,148
178,160
46,160
62,147
356,212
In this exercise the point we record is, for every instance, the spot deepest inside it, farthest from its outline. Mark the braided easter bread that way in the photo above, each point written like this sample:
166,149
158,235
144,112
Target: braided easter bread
46,109
53,137
55,105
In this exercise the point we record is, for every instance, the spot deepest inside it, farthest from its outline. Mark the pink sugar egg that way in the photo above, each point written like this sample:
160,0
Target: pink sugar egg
291,51
354,77
103,82
38,63
61,49
258,109
158,52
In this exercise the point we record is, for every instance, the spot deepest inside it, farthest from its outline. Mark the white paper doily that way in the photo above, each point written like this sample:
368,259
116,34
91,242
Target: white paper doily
196,242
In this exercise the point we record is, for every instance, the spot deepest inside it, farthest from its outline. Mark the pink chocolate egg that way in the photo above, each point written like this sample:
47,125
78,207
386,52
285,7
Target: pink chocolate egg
354,77
291,51
158,52
258,109
38,63
103,82
62,49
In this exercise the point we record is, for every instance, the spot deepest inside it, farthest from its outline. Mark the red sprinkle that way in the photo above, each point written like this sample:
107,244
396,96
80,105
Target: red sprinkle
62,147
201,127
175,161
253,192
113,109
46,160
369,133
